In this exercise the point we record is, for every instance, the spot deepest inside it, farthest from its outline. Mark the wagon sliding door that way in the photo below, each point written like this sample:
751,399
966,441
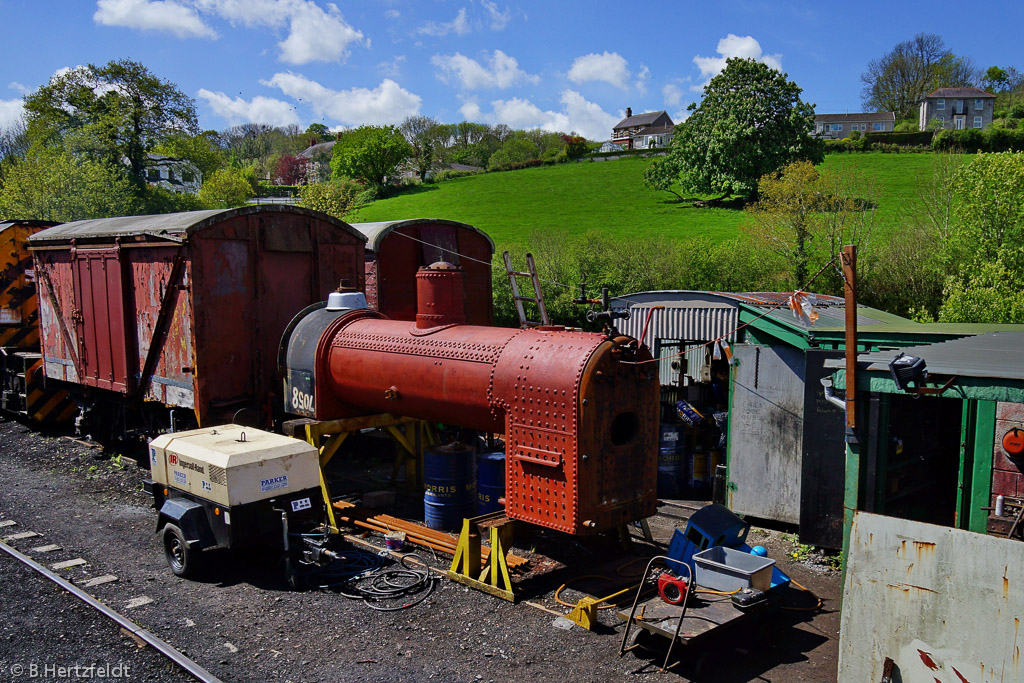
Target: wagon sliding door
99,318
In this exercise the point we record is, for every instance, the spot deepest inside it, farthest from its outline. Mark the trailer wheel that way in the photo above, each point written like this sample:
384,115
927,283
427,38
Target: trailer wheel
180,558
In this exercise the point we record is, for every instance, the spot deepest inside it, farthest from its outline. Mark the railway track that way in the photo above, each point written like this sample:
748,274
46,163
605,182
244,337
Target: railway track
130,628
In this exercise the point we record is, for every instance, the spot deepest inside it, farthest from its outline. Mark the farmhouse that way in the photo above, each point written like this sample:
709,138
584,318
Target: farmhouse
841,125
957,109
643,131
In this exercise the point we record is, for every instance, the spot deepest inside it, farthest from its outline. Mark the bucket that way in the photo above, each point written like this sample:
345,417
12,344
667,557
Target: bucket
449,486
394,540
490,482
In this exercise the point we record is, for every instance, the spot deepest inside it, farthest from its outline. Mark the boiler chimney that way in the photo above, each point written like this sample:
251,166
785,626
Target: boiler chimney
439,296
629,112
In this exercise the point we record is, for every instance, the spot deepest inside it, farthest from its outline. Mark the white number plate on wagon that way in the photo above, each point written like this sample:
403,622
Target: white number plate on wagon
301,504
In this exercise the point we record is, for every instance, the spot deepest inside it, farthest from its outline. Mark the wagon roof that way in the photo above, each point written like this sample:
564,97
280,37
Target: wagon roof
168,225
376,232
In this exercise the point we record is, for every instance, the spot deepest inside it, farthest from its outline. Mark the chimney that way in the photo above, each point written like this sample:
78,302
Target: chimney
439,294
629,112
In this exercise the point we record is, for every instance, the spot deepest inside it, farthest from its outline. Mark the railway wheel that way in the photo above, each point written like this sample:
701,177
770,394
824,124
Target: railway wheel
182,560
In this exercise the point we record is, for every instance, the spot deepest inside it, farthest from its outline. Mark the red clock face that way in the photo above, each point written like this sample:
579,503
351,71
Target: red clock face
1013,442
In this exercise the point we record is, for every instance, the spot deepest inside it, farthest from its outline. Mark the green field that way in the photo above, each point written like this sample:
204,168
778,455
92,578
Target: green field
609,197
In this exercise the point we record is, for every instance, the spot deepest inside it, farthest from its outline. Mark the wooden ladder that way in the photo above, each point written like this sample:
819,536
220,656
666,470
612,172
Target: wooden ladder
537,297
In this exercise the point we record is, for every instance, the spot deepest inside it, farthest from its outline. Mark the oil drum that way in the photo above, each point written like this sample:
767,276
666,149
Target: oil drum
490,482
671,463
449,485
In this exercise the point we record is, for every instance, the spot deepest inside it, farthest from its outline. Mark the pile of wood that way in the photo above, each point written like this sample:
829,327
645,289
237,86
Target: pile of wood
364,518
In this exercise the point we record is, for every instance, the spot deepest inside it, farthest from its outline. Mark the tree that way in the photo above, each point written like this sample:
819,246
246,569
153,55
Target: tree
422,133
225,188
751,121
14,144
899,79
52,184
371,154
515,150
290,170
318,130
806,217
121,107
336,197
202,150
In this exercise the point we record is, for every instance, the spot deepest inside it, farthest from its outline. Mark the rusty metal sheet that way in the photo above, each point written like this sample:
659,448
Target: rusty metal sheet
943,604
99,318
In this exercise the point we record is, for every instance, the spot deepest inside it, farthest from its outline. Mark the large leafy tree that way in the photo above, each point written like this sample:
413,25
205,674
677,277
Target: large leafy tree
371,154
750,122
120,109
899,79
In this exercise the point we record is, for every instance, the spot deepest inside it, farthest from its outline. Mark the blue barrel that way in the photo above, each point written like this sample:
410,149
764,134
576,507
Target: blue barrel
671,461
449,486
490,482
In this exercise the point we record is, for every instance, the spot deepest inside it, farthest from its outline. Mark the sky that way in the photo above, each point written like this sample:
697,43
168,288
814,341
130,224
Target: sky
561,65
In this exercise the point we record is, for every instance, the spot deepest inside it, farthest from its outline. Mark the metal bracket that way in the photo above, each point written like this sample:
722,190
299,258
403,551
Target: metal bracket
470,569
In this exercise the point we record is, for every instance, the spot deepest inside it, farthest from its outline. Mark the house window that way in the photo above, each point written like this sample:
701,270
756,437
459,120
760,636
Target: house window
836,127
977,122
959,121
877,126
153,174
979,103
188,176
170,174
942,121
940,104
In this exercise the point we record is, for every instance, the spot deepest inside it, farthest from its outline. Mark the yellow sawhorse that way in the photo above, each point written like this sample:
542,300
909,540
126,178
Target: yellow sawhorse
469,568
410,434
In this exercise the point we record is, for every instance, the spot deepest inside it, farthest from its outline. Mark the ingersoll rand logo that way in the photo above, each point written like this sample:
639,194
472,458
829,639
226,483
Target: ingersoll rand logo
172,459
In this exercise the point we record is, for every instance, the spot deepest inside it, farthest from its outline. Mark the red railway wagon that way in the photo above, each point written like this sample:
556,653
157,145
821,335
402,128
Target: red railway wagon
184,311
396,250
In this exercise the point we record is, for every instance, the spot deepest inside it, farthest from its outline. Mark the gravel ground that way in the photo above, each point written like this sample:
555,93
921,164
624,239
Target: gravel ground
242,623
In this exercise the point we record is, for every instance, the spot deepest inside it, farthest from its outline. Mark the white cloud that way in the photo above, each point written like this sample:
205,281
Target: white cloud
23,89
459,26
392,14
672,94
314,34
387,103
153,15
641,79
258,110
393,67
502,71
609,67
577,114
317,36
499,20
733,46
10,112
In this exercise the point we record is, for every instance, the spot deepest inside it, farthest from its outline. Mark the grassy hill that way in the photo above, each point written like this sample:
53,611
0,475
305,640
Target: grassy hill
609,197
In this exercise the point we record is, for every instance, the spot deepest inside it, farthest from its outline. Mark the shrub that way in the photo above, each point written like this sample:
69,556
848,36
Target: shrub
226,188
969,140
450,174
337,197
268,190
900,138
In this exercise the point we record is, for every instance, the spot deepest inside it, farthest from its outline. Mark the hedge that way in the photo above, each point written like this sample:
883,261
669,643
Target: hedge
974,140
894,138
268,190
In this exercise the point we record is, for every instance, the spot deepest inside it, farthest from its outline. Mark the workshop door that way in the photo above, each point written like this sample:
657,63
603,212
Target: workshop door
766,432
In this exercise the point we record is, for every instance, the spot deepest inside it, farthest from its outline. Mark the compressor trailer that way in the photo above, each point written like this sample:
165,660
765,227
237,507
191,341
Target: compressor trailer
230,487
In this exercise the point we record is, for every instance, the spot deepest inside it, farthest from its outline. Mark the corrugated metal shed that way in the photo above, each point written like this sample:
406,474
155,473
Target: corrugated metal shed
998,355
167,225
376,232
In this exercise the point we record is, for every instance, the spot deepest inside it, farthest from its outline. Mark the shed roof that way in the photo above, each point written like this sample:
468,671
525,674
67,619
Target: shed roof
997,355
167,225
313,150
644,119
960,92
376,232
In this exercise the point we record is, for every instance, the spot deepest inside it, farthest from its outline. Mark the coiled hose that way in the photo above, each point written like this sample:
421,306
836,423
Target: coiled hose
361,575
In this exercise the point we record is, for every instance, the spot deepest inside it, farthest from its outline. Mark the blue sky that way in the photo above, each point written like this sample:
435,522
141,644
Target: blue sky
562,65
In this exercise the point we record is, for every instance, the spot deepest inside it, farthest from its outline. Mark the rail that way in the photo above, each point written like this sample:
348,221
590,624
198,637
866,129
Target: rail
197,672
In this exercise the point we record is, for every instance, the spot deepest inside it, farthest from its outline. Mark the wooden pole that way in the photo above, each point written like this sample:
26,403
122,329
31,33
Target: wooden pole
849,259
